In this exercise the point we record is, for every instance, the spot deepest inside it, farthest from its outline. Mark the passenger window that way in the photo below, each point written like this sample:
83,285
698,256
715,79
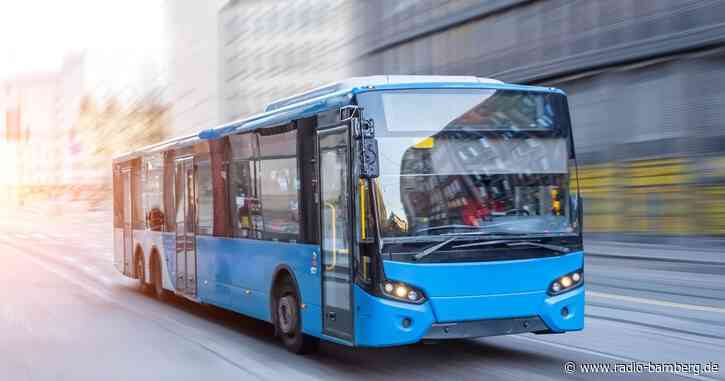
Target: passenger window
279,183
264,184
117,199
205,196
280,199
169,201
152,192
138,215
246,206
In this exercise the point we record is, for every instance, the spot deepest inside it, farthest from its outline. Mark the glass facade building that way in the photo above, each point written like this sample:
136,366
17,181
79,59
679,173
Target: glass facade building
645,79
273,49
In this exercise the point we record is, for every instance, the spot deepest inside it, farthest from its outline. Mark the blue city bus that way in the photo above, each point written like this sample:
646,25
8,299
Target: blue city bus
376,211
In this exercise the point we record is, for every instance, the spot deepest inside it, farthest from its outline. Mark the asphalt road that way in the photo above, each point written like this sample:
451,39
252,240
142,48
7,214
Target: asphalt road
66,314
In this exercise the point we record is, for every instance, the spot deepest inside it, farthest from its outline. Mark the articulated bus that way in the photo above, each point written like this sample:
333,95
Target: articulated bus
376,211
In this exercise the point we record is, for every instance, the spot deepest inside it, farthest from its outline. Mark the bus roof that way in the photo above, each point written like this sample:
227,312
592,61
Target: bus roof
372,81
326,97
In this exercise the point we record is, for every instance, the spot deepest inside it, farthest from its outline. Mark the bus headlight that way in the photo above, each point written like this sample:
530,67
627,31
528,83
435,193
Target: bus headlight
566,282
556,287
576,277
402,292
389,287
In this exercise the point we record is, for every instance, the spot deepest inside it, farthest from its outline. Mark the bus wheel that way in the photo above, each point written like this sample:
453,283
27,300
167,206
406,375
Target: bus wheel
158,290
141,275
288,322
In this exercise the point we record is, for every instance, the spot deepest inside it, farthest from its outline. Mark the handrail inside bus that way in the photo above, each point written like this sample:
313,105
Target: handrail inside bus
363,217
334,236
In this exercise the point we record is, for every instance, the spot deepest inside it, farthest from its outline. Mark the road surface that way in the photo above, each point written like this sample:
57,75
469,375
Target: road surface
67,314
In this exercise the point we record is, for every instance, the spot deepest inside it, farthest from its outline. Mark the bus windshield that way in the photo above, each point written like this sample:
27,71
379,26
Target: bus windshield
489,162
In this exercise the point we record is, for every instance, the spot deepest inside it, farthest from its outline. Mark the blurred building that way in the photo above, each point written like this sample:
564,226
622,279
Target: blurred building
111,128
56,140
192,64
39,111
273,49
646,81
228,59
71,89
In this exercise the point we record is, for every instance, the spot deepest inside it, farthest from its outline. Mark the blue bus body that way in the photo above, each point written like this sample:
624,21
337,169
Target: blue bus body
462,298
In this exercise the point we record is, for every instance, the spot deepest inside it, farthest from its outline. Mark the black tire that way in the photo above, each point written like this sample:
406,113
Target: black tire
288,321
158,288
141,274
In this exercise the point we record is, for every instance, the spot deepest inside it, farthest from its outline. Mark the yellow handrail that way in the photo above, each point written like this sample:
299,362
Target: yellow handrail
363,218
334,236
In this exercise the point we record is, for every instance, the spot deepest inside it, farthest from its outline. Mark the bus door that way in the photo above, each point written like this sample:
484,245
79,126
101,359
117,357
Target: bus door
127,221
336,232
185,191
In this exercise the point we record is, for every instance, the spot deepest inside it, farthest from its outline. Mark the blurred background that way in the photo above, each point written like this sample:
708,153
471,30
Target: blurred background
81,81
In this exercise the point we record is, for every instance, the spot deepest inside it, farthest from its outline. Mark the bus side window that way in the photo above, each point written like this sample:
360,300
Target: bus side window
245,206
279,183
280,198
205,196
117,199
138,215
152,191
168,192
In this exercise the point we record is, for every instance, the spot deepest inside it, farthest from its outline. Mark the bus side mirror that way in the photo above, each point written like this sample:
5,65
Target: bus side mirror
364,131
370,166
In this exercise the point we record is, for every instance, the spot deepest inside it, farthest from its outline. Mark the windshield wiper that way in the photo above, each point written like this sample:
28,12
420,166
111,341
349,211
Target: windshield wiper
561,249
483,232
485,243
508,242
433,248
475,230
430,249
454,226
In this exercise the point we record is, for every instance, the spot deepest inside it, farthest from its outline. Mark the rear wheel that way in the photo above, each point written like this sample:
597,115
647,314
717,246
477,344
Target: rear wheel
288,322
158,287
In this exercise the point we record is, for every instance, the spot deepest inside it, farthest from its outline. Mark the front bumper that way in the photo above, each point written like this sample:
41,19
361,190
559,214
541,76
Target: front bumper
481,328
474,299
381,322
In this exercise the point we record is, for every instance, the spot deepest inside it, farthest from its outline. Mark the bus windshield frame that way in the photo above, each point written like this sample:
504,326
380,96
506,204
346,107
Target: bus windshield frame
480,163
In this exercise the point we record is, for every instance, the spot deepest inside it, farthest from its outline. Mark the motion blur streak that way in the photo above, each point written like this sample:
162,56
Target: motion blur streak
646,88
646,82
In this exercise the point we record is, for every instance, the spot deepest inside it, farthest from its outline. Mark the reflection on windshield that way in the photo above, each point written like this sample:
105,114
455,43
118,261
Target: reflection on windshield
440,187
474,154
493,110
495,164
440,204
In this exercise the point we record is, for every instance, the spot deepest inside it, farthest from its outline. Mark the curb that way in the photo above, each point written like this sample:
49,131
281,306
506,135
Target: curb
670,259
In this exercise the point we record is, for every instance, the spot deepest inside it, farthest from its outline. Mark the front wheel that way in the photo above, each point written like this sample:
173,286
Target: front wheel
289,323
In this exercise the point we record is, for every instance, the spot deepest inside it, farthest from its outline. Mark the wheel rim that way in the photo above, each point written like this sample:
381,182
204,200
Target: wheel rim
287,315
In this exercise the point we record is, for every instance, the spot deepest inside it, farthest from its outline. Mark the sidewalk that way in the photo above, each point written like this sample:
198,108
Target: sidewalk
670,253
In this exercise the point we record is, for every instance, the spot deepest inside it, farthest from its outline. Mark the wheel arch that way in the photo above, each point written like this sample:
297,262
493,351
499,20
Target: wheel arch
138,253
280,272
